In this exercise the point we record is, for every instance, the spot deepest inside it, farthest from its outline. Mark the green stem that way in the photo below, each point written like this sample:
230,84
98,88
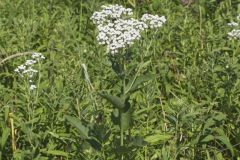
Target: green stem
38,82
122,135
123,94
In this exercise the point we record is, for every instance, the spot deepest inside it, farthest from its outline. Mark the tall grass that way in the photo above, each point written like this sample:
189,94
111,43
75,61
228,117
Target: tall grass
189,110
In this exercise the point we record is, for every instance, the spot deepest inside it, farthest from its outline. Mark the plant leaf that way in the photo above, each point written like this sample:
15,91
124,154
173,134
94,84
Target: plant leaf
126,119
157,138
207,138
5,134
117,102
225,140
220,117
138,141
133,84
115,116
55,152
83,130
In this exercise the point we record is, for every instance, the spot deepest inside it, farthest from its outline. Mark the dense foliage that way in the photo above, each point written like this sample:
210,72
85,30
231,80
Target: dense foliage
185,103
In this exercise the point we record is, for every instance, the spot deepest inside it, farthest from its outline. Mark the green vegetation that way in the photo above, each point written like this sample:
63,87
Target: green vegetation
182,87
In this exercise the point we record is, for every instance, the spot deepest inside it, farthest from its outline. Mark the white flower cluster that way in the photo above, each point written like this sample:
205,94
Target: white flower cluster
235,33
232,24
120,33
118,30
109,13
27,70
153,21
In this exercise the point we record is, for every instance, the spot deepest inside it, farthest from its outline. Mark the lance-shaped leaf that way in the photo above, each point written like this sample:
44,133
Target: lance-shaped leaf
126,118
117,102
115,116
157,138
55,152
4,138
134,82
224,139
82,129
137,141
208,139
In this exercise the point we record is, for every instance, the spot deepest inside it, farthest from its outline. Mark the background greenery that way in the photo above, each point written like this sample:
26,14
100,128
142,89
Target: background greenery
189,110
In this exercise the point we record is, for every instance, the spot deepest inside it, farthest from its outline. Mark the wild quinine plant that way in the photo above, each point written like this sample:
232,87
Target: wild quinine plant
118,30
27,71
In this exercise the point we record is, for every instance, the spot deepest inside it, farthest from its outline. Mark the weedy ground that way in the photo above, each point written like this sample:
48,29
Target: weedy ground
189,110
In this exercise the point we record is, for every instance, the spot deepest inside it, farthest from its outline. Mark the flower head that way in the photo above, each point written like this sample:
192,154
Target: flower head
153,21
235,34
27,69
117,30
109,13
32,87
37,56
232,24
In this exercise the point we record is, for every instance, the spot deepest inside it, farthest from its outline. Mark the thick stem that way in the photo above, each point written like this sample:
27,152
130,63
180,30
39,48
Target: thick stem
123,93
122,136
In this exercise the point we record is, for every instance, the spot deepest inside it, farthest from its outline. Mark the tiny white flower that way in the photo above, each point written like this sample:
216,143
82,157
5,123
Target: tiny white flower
21,67
32,87
16,70
238,17
232,24
37,56
153,21
30,62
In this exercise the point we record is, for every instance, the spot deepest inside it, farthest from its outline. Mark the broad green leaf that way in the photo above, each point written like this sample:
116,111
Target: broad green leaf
220,117
56,152
138,141
126,119
115,116
5,135
209,123
134,83
207,138
95,144
83,130
157,138
225,140
117,102
143,110
222,49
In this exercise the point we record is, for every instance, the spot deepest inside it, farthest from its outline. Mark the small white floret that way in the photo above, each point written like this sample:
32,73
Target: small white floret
232,24
32,87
